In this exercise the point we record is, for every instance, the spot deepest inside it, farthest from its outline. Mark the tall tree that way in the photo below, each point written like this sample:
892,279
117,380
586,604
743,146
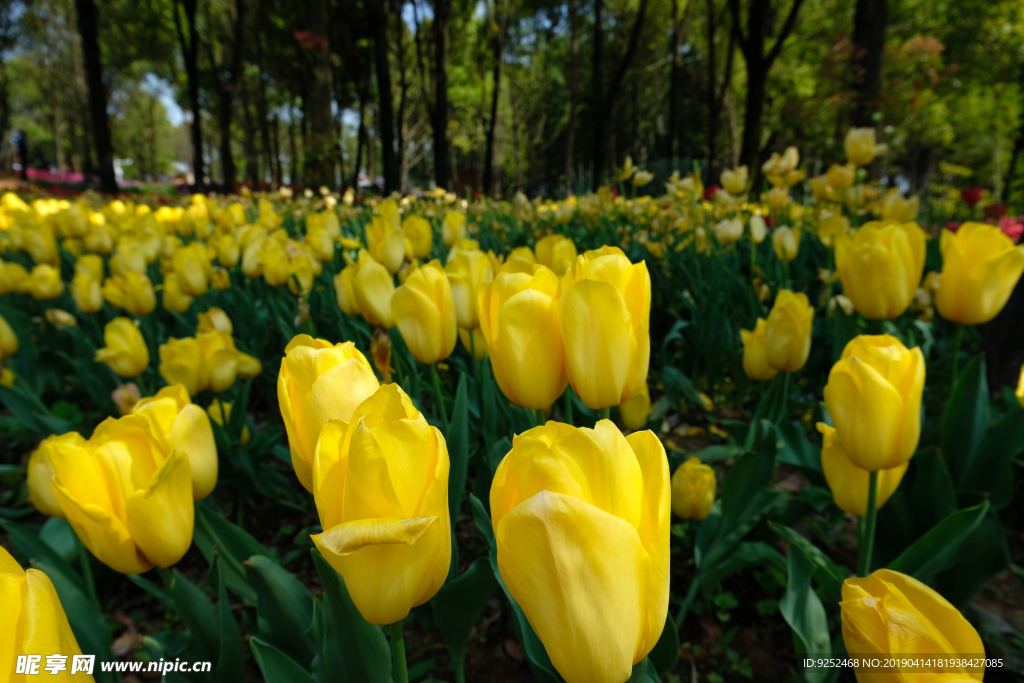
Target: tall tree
385,111
574,50
759,63
604,99
321,153
225,82
89,30
501,23
716,89
190,51
442,160
870,23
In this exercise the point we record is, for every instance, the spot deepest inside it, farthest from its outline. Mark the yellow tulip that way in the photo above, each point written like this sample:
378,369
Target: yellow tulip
320,245
474,342
125,397
86,292
277,265
424,311
319,381
820,188
344,291
419,236
786,242
42,246
523,254
628,169
581,520
980,268
453,228
635,410
220,279
461,245
895,208
60,318
215,320
788,334
386,243
860,146
220,412
125,352
841,177
880,266
755,354
380,482
177,424
735,181
874,398
229,252
374,287
40,472
181,362
132,292
641,178
43,283
728,230
519,320
693,489
758,229
130,523
605,312
174,299
34,623
892,615
223,361
465,273
557,252
99,240
778,198
128,258
848,482
832,228
12,275
8,340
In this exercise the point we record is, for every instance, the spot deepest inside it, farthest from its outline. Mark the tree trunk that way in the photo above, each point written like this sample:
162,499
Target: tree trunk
360,140
58,137
190,53
442,158
712,93
293,153
89,30
321,152
750,150
227,161
499,48
673,83
870,22
252,158
574,49
275,141
385,109
403,89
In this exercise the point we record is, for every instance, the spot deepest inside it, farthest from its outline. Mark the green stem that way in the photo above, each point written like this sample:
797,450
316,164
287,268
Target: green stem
83,556
398,668
568,406
687,601
603,413
785,397
868,538
957,339
440,397
785,270
753,261
539,417
460,672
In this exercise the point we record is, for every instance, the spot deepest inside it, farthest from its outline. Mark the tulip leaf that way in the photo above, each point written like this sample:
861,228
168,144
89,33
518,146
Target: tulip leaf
457,440
352,650
58,534
284,608
665,653
991,471
771,408
981,557
156,591
965,419
827,573
276,666
644,671
482,520
229,667
745,556
932,552
796,450
212,534
536,656
199,616
803,611
459,603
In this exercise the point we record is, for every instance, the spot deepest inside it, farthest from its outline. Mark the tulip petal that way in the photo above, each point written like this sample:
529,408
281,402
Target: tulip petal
104,535
597,330
420,322
868,413
160,518
849,483
47,630
527,352
388,472
193,434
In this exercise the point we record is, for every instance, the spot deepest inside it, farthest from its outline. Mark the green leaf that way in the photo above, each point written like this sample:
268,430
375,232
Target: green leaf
212,534
229,660
803,611
458,605
457,440
991,471
827,573
796,450
276,666
284,608
930,489
644,672
665,653
499,449
932,552
199,616
58,534
743,557
769,408
482,520
982,556
717,453
352,651
156,591
965,419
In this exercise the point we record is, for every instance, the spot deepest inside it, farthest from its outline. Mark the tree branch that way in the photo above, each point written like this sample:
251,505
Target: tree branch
737,32
787,28
634,40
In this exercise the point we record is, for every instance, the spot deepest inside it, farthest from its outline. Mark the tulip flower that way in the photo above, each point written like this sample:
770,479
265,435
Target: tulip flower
40,472
841,177
581,521
319,381
758,229
178,424
461,245
980,268
43,283
8,340
60,318
453,228
788,333
820,188
128,258
181,362
557,252
849,483
860,146
778,198
419,236
424,311
207,361
34,621
386,243
86,292
229,252
628,169
130,523
125,352
832,228
693,489
12,275
519,320
192,268
728,230
880,266
380,482
604,313
174,298
132,292
474,342
895,208
344,292
735,181
220,279
786,241
373,287
755,354
641,178
892,615
215,320
523,254
465,273
635,410
874,397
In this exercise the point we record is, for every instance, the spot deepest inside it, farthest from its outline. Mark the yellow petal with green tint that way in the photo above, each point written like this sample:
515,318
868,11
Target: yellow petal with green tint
577,573
160,518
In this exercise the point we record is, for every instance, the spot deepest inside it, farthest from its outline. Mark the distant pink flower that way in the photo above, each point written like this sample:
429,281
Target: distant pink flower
1012,227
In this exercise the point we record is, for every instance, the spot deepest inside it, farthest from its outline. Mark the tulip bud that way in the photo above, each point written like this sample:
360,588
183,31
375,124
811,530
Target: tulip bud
635,410
557,252
86,292
786,241
892,615
788,333
380,482
735,181
820,188
125,352
860,146
424,311
849,483
174,299
177,424
728,230
519,320
693,489
318,382
215,320
419,235
34,619
465,273
758,229
220,279
181,362
454,228
374,287
8,340
40,472
841,177
386,243
344,292
874,398
132,292
832,228
980,268
12,275
604,313
581,522
755,355
880,266
43,283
